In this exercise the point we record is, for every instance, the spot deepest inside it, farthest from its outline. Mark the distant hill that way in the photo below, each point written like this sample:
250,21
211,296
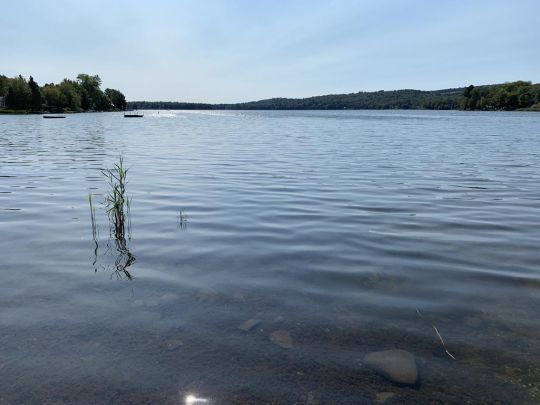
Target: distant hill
397,99
507,96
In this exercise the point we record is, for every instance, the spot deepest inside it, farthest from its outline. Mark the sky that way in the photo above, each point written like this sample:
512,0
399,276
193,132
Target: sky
241,50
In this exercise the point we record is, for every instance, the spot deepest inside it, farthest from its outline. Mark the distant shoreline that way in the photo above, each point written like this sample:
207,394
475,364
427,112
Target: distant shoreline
514,96
30,112
332,109
21,112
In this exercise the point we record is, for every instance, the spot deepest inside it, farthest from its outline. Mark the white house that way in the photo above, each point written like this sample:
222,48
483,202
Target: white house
2,102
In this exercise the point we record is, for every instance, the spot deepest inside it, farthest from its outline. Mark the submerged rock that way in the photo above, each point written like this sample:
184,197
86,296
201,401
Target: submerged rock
282,338
382,397
207,295
249,324
398,366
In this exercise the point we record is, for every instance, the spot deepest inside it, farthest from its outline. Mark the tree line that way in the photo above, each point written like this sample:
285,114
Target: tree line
85,94
82,94
508,96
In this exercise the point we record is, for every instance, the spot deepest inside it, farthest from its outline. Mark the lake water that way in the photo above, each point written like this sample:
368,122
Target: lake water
348,232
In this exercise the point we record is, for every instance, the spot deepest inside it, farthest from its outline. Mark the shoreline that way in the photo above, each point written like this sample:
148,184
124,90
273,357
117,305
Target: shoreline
9,111
24,112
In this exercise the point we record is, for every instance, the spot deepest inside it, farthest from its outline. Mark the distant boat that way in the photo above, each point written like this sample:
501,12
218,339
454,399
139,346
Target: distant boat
54,116
133,114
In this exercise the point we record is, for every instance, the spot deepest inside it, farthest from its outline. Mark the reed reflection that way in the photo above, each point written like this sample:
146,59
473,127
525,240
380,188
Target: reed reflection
123,259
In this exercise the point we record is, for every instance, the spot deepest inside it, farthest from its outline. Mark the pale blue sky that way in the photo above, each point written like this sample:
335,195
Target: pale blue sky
240,50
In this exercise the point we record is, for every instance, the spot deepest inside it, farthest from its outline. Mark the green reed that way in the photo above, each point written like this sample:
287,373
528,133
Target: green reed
93,217
118,209
116,202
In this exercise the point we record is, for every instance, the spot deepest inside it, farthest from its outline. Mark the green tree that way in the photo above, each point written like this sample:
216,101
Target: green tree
19,95
468,91
54,99
4,85
71,94
117,99
91,95
35,94
102,102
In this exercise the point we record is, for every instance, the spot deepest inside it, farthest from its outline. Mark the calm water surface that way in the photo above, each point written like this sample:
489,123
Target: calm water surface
351,231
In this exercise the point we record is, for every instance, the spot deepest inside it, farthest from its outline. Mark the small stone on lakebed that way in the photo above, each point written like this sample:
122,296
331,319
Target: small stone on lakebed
249,324
382,397
207,295
282,338
398,366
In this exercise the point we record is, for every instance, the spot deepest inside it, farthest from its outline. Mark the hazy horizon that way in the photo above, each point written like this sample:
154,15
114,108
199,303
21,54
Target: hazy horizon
238,51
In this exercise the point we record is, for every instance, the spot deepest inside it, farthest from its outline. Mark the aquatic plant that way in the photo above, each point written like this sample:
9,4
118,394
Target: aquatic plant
181,219
93,218
118,209
438,335
94,229
116,202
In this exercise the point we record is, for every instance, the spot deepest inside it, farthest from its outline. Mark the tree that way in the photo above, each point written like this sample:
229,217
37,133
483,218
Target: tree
4,85
71,94
90,83
86,100
53,97
117,99
36,96
18,96
90,91
102,102
468,90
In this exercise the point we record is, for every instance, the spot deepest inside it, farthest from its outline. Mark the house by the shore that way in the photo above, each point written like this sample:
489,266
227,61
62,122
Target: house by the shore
2,102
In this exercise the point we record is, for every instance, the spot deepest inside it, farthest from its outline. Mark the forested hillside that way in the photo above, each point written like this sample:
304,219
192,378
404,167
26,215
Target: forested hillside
85,94
508,96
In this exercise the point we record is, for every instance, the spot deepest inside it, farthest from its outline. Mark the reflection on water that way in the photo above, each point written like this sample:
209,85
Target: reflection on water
192,399
315,239
181,220
122,256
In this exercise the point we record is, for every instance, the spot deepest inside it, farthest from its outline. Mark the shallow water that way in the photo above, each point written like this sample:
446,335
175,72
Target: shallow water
352,231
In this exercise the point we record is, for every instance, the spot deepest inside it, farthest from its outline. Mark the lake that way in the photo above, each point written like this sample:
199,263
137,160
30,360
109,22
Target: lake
334,233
